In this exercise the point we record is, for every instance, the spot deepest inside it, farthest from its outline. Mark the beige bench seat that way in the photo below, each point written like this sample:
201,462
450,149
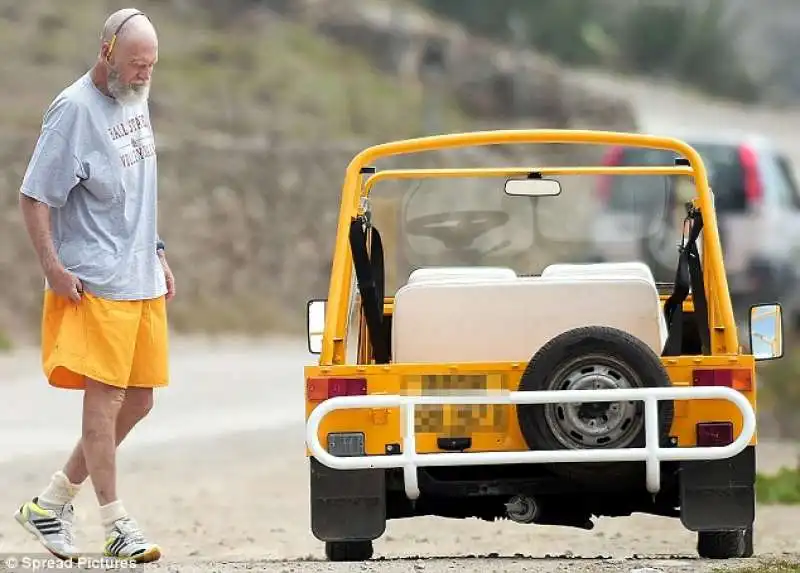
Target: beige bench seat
450,314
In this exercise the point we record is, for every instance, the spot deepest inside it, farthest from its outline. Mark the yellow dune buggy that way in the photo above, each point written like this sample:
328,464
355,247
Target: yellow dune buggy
474,361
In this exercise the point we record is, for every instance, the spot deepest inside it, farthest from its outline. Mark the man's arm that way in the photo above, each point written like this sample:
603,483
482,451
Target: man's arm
52,173
37,221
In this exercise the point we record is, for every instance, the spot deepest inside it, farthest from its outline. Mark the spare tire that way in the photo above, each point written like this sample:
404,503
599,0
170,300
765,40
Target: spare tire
593,357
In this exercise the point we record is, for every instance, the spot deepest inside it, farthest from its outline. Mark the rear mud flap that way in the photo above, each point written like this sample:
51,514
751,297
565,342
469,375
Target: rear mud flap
347,505
720,494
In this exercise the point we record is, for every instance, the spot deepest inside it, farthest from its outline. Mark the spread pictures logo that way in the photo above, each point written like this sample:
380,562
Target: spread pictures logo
47,562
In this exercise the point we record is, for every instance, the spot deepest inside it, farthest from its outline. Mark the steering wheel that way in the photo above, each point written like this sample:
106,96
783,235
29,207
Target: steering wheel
457,229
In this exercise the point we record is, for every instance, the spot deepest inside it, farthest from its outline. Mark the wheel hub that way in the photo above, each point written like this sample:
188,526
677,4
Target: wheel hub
594,424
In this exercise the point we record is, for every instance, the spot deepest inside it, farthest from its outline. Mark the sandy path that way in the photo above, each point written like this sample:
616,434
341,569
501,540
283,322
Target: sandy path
231,386
217,473
243,498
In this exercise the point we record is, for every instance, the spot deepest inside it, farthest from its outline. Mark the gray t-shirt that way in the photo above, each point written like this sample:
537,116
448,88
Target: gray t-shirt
95,166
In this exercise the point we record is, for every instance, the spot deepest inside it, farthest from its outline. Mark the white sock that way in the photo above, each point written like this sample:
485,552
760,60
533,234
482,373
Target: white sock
60,490
110,513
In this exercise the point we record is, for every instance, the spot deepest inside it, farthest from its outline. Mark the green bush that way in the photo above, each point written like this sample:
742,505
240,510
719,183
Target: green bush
5,342
556,27
779,389
765,566
781,488
686,41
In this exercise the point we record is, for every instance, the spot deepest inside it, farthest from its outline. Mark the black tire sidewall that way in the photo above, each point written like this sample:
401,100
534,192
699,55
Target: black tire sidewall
631,352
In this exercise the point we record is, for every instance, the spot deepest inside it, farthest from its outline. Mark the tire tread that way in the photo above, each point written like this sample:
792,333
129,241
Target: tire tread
591,339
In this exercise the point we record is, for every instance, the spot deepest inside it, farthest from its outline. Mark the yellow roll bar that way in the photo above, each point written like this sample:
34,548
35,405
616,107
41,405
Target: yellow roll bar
722,327
515,171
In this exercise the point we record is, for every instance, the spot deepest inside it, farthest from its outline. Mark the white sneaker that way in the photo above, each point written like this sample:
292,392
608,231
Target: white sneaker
126,541
51,525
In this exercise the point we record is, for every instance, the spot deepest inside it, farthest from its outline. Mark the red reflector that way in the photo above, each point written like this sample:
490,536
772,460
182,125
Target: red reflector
324,388
714,434
741,379
316,388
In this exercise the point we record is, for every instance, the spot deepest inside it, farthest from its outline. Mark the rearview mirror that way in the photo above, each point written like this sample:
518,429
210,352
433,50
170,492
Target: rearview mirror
533,187
315,325
766,331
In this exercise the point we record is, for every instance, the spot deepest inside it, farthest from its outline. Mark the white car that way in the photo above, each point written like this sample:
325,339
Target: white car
758,211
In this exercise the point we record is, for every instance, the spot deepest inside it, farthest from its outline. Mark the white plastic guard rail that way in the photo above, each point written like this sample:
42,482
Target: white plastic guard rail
652,453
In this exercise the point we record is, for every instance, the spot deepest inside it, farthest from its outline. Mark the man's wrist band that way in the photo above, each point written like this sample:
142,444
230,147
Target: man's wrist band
160,246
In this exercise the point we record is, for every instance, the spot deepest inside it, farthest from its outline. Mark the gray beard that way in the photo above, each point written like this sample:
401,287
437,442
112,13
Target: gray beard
127,94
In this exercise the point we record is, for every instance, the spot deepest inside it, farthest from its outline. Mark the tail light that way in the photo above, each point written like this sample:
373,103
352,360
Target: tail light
738,379
752,183
714,434
331,387
612,158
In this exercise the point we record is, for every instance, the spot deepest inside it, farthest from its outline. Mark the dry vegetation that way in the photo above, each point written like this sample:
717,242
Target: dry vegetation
256,120
767,566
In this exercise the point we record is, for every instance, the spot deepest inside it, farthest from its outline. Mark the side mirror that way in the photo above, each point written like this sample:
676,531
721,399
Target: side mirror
315,325
766,331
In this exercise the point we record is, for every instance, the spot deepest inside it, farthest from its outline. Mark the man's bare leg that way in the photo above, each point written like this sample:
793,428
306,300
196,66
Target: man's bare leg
101,406
66,483
100,438
136,405
95,454
51,513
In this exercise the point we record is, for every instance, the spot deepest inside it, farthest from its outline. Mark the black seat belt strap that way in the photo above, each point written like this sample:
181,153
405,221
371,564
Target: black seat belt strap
673,307
367,286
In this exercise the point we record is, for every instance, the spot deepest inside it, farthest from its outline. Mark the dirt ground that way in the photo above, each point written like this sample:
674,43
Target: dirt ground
217,476
240,501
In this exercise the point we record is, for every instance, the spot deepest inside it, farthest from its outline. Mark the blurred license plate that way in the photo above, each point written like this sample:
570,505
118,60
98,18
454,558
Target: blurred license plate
458,420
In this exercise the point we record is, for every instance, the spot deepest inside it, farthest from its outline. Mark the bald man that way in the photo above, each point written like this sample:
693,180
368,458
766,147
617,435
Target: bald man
88,199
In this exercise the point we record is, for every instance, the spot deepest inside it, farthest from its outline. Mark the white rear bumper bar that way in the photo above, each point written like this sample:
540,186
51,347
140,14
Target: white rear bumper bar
652,454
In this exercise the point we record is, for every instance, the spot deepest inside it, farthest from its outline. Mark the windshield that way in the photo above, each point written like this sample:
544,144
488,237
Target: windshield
472,222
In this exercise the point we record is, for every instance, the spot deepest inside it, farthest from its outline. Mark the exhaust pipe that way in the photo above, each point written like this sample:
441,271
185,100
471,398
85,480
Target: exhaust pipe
522,509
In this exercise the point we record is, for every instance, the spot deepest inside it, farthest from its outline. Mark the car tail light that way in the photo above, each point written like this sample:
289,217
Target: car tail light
612,158
752,183
738,379
714,434
331,387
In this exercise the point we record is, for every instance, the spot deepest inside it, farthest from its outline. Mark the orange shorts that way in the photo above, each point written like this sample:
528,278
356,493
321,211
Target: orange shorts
120,343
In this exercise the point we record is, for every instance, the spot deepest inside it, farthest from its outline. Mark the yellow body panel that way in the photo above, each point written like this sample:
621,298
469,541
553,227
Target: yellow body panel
496,428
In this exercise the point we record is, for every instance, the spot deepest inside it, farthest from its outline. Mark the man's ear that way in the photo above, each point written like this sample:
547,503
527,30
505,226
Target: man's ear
105,52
